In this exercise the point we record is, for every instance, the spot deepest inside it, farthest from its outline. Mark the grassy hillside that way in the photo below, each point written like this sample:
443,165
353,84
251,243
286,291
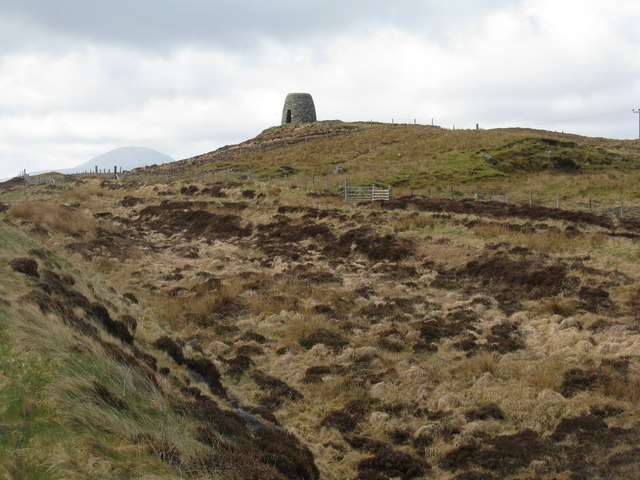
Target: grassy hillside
84,393
417,338
416,157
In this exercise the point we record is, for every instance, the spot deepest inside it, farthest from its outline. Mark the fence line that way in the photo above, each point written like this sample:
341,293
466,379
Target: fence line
29,180
334,184
621,206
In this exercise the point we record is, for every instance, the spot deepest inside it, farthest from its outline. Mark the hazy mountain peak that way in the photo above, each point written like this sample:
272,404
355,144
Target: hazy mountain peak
125,158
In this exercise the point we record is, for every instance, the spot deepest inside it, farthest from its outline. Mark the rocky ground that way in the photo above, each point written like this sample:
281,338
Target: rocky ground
415,338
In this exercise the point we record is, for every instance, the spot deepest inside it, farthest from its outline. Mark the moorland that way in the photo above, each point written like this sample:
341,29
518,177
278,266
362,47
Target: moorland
226,317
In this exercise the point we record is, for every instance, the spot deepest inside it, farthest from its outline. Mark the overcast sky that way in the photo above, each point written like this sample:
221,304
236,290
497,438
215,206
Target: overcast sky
81,77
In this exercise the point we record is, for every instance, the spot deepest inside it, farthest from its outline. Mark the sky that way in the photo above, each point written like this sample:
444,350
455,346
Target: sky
81,77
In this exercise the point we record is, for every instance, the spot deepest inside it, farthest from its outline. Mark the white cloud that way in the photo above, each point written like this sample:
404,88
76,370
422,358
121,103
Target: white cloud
520,63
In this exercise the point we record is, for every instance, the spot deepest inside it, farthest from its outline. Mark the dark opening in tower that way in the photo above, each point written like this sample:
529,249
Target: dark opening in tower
288,119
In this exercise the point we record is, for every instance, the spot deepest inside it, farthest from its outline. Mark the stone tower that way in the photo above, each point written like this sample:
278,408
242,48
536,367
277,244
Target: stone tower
298,108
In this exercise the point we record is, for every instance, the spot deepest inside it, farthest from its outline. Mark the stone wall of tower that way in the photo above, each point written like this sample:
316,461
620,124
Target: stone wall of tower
298,108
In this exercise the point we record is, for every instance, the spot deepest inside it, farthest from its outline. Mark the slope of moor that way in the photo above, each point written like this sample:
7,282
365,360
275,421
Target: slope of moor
416,338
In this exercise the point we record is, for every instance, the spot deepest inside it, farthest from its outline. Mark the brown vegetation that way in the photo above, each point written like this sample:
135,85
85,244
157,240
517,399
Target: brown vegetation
417,338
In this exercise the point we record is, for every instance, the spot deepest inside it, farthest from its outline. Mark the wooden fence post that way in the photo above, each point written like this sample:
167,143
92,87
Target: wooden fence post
346,190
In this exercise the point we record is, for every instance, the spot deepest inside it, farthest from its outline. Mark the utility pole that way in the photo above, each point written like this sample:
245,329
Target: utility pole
637,110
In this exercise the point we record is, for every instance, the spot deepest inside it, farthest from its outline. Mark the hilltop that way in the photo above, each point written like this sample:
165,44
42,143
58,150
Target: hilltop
224,317
419,156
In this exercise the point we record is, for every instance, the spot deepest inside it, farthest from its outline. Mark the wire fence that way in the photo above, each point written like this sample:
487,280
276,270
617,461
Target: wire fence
611,203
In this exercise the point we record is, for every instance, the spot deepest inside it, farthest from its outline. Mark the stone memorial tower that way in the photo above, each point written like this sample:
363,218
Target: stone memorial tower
298,108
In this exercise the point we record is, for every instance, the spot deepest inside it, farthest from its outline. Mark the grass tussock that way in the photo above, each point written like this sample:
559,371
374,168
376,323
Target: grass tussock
301,327
479,364
202,310
546,374
557,306
543,241
105,265
266,304
491,231
548,242
627,389
284,294
67,220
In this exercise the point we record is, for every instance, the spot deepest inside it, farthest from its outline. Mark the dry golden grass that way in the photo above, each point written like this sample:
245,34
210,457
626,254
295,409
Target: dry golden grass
546,373
53,370
627,389
483,362
548,242
491,231
300,326
557,306
105,265
267,304
273,192
259,297
196,310
77,195
59,217
327,294
542,241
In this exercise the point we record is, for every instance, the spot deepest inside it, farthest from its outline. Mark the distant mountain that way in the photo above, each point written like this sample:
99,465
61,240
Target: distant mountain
126,158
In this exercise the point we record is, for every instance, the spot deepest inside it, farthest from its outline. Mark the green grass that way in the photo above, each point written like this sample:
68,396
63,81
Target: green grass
418,157
25,418
49,423
52,423
14,195
536,154
13,242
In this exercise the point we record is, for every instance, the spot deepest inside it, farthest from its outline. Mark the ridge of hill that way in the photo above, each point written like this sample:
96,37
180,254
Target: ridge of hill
419,156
